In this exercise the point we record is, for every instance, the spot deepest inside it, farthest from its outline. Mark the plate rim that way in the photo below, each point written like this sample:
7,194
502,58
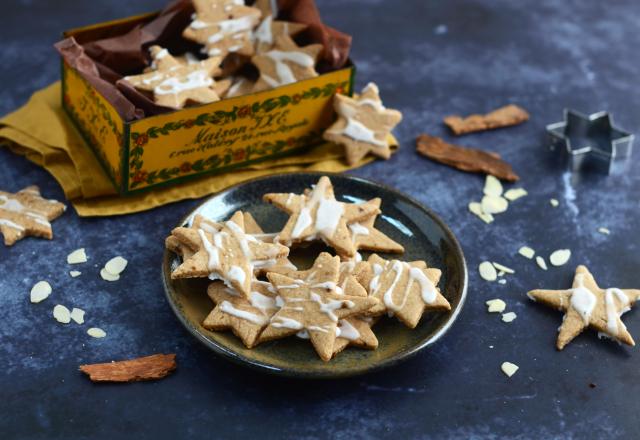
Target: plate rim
297,373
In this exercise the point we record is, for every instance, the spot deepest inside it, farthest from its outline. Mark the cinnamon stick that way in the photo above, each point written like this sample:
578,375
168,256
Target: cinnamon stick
465,159
503,117
151,367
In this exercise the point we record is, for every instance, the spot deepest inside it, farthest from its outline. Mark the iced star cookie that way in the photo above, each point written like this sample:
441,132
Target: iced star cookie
173,84
366,237
587,305
270,30
245,317
228,254
312,305
318,215
27,213
286,63
223,27
363,125
405,290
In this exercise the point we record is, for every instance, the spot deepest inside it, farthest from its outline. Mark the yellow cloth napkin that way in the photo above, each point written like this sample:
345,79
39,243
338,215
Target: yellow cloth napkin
42,132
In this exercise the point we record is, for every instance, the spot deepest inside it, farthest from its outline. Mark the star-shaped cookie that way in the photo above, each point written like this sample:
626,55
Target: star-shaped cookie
228,254
318,215
312,304
405,290
587,305
365,236
246,318
363,125
286,63
223,27
173,83
27,213
270,30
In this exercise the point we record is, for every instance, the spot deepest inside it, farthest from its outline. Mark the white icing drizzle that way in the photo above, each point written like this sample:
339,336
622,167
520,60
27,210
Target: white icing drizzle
194,80
330,306
328,285
583,300
316,328
358,131
227,307
358,229
237,274
10,224
284,322
610,306
212,251
428,291
14,205
347,330
328,213
283,71
263,33
241,237
303,334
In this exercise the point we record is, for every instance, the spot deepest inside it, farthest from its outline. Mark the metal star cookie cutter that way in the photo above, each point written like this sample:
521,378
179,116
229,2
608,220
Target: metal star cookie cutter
591,141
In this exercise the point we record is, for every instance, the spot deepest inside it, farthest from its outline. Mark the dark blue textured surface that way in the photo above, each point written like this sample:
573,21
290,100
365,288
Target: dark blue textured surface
430,59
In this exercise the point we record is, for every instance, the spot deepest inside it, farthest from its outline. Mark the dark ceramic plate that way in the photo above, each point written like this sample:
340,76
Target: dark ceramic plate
421,232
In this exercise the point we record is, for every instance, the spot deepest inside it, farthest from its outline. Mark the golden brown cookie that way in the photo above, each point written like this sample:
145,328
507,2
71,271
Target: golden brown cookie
405,290
223,27
228,254
587,305
286,63
363,125
270,30
173,84
318,215
312,304
27,213
245,317
366,237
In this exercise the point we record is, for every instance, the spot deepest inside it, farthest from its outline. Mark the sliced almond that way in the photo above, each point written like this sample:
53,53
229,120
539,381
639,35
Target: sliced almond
515,194
509,316
116,265
76,257
108,276
62,314
492,186
509,369
487,271
502,268
526,252
494,205
560,257
604,231
75,273
40,291
77,315
496,306
96,332
476,209
554,202
541,262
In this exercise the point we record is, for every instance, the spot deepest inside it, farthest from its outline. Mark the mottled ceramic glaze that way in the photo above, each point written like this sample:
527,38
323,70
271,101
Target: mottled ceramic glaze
421,232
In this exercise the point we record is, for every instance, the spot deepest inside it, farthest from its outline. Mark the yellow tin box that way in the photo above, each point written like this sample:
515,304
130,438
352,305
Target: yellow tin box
205,139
